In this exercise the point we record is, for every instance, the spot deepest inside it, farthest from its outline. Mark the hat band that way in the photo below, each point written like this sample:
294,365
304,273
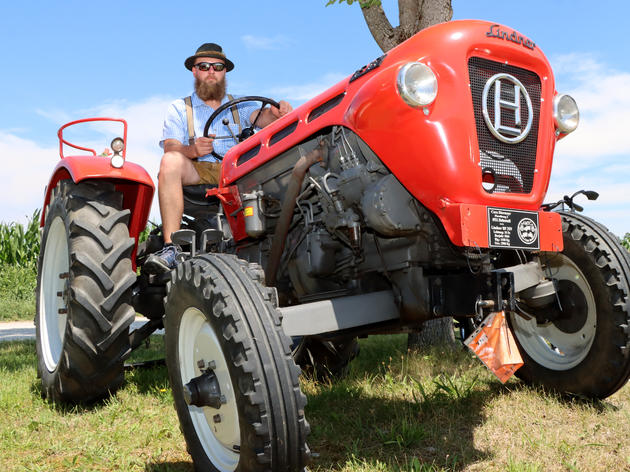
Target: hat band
210,54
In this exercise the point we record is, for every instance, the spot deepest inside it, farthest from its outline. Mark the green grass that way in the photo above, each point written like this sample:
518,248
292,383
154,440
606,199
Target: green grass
17,292
437,411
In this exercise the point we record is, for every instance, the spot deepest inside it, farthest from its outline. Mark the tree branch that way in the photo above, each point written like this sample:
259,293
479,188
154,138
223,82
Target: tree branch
434,12
380,27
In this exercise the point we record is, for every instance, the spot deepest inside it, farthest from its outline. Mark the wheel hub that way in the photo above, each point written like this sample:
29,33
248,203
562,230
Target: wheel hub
208,389
204,391
562,334
574,310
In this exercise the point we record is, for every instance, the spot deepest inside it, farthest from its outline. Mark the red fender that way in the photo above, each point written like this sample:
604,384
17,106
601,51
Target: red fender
131,180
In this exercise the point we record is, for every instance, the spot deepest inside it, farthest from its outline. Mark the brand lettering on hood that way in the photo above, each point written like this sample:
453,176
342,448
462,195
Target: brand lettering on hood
497,32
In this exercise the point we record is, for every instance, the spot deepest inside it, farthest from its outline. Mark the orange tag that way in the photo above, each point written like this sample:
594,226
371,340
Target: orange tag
248,211
494,344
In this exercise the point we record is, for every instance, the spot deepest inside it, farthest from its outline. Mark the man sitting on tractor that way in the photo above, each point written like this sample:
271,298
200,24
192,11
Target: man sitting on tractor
193,163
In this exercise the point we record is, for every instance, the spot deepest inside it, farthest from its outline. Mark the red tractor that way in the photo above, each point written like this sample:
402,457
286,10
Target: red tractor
411,190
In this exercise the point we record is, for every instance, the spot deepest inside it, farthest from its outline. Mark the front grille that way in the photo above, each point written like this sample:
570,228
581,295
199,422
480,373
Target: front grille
512,164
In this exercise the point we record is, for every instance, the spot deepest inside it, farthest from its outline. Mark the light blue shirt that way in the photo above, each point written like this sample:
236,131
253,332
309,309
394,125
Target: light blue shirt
176,126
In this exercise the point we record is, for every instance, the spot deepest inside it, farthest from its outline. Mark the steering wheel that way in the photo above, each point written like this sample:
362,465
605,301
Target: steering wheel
247,132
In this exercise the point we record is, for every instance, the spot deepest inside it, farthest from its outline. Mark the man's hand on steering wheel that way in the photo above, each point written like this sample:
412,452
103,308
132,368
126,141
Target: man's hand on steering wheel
276,112
203,145
280,109
263,117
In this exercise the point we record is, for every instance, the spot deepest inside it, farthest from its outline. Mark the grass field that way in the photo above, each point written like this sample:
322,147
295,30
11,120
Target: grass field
17,292
437,411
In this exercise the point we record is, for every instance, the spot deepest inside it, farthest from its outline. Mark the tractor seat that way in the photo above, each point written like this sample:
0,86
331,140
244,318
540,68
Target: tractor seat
196,204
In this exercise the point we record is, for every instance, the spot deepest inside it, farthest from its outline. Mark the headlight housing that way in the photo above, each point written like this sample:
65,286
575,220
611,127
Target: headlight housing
417,84
565,113
117,160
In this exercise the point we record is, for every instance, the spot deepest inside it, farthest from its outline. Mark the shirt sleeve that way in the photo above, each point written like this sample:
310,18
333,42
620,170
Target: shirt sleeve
175,126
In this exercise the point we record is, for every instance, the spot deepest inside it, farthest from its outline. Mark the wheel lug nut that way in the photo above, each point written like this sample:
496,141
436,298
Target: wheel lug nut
212,365
201,364
216,418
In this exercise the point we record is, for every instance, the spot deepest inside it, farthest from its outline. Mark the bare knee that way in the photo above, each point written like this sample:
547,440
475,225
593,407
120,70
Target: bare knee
174,166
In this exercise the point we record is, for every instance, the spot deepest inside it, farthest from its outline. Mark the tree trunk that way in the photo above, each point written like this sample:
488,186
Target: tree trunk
436,332
413,16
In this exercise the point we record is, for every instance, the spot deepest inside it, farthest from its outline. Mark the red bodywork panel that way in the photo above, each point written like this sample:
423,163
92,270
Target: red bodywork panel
434,154
131,180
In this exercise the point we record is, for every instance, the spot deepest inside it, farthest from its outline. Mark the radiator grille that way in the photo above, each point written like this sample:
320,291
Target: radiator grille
513,164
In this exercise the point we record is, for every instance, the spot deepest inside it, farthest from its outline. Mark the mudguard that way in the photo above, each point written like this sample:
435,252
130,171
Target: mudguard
131,180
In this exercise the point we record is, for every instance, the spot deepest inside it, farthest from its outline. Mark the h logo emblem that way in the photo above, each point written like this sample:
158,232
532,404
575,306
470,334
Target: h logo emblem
506,108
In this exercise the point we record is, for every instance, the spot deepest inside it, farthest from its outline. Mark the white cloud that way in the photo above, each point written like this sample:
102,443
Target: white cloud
603,96
28,170
595,156
302,93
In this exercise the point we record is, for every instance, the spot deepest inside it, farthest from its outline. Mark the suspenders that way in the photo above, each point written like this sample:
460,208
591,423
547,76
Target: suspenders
190,122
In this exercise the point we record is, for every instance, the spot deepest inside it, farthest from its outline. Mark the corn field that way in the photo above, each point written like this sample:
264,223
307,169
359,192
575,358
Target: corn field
19,244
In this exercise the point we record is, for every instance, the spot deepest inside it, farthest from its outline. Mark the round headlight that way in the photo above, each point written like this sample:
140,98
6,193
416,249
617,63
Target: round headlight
566,113
117,145
117,161
417,84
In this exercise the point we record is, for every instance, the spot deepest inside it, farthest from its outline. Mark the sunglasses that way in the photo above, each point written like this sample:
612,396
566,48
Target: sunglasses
205,66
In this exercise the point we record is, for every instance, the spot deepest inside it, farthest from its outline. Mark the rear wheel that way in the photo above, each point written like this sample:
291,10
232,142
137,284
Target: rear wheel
234,382
325,359
581,344
83,293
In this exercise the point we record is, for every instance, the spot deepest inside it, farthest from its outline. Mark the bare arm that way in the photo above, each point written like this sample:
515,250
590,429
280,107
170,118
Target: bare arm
271,114
201,147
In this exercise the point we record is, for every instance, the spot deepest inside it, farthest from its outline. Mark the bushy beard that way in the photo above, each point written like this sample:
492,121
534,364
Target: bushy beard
210,91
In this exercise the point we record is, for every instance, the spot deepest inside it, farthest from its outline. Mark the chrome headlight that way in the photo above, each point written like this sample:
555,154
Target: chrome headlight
565,113
117,160
417,84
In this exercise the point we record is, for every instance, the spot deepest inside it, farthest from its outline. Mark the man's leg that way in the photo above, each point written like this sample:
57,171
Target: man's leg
176,170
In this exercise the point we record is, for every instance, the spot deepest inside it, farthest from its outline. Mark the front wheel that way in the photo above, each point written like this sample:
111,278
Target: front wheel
580,343
234,382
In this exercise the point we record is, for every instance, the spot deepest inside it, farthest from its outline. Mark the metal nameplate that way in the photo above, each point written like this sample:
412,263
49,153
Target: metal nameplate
513,229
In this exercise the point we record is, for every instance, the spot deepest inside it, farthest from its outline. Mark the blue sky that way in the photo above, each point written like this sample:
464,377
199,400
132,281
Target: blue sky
71,59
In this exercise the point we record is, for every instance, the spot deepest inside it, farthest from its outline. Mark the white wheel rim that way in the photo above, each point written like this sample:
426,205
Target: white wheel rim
52,307
546,344
197,342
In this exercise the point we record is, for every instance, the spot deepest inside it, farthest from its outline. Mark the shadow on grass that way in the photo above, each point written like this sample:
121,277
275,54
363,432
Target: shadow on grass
169,467
17,355
349,426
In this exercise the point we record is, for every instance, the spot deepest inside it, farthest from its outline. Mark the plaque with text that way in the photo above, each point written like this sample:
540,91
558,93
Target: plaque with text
513,229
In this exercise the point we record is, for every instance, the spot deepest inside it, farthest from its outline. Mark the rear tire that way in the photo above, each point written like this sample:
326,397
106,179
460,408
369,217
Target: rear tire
84,284
583,349
325,359
223,331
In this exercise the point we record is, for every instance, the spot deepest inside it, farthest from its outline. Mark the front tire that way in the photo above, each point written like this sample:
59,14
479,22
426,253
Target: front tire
583,348
84,281
234,382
